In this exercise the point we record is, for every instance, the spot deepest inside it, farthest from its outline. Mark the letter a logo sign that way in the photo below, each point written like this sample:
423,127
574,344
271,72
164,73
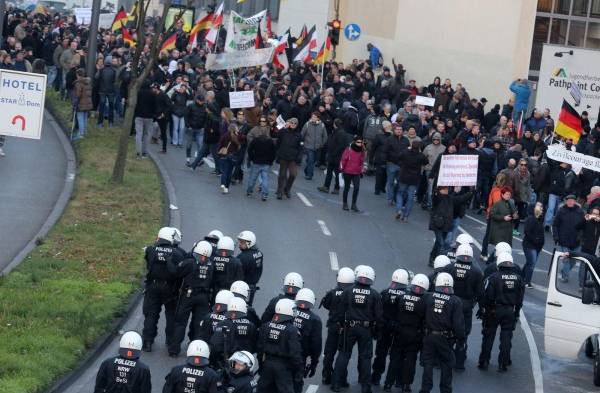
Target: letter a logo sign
559,72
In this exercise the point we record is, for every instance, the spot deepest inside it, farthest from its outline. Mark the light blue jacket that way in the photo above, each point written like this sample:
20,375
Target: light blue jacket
522,93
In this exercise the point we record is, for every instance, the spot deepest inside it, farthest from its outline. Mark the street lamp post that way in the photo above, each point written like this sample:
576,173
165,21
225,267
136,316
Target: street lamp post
93,39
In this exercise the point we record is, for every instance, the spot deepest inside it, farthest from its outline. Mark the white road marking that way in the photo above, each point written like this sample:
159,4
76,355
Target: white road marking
312,389
210,162
304,199
333,260
324,228
539,288
534,355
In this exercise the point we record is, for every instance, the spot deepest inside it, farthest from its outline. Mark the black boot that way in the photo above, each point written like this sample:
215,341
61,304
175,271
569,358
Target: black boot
355,209
366,388
375,379
387,388
345,207
326,378
483,365
147,347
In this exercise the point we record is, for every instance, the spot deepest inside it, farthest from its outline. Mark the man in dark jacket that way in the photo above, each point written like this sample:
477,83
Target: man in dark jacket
561,178
379,157
351,120
491,118
567,224
195,120
336,143
393,148
145,110
289,153
106,78
261,153
301,111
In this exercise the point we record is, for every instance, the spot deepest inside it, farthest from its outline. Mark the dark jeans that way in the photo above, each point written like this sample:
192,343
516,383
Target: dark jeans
486,240
484,186
355,180
440,247
522,210
333,170
288,170
213,149
162,124
311,157
226,165
380,178
102,108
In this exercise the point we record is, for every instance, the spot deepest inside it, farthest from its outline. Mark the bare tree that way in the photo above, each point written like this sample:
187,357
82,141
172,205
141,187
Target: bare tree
138,78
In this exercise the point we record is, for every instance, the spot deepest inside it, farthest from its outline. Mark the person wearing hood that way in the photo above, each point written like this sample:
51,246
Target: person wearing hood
351,166
522,93
412,161
491,118
82,102
351,121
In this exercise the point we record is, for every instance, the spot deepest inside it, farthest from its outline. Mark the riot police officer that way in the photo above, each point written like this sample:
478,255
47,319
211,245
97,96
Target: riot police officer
125,372
444,323
407,335
441,263
195,375
331,301
361,310
227,267
213,238
241,377
468,286
463,238
502,302
252,261
389,298
492,267
280,350
161,287
242,290
209,323
310,326
194,296
236,333
292,283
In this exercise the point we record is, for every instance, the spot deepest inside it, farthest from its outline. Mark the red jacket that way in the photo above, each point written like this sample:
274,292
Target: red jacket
352,162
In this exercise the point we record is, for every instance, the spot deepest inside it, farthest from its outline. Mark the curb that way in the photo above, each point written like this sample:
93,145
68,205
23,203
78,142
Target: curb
173,217
61,202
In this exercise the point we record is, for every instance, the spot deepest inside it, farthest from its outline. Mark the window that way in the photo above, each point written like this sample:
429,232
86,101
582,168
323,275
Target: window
593,36
595,11
571,287
558,31
576,33
544,6
562,7
540,36
580,7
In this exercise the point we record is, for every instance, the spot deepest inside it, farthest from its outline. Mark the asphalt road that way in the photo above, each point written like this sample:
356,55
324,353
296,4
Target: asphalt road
311,234
33,174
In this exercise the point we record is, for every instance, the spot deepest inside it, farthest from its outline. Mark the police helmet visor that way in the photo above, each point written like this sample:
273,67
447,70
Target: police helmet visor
129,353
198,361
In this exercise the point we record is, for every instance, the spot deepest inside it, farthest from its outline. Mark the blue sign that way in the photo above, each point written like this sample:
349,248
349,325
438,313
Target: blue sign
352,32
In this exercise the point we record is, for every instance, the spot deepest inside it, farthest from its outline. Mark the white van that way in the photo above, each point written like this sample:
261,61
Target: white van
573,313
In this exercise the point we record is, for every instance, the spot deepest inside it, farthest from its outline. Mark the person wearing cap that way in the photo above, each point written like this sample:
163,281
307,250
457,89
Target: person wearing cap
289,153
195,121
566,227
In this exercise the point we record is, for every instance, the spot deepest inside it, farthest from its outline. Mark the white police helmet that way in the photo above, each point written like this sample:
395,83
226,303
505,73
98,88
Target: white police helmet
214,235
465,238
305,298
248,236
292,283
365,275
203,248
198,353
504,259
464,252
444,280
285,309
222,300
237,307
440,261
167,233
503,247
400,276
130,345
240,288
345,276
246,358
226,243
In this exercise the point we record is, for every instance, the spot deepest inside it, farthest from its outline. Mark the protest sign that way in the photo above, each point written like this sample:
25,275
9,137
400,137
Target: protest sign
280,122
106,20
233,60
558,152
22,96
241,99
83,15
458,170
242,32
427,101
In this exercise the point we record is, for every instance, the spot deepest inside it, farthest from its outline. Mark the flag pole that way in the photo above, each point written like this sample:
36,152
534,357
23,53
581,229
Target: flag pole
322,74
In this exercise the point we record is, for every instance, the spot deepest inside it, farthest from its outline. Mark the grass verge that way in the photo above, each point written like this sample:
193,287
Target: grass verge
70,289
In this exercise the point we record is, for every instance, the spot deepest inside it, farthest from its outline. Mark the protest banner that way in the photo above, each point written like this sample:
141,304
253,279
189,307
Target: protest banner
242,32
560,153
105,21
241,99
83,15
233,60
22,95
458,170
427,101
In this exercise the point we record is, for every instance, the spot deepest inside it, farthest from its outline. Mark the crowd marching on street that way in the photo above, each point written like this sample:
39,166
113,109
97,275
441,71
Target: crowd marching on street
350,121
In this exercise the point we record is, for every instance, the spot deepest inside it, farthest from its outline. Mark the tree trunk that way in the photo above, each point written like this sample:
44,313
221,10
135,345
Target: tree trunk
119,168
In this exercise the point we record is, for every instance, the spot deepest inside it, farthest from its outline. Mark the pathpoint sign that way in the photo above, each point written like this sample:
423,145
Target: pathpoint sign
22,97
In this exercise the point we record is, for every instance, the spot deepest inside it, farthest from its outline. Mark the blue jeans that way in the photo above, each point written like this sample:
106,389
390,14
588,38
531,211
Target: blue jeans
454,232
226,165
392,174
311,156
440,247
178,130
51,75
82,120
257,170
191,136
531,258
516,115
119,104
553,201
569,263
104,98
403,205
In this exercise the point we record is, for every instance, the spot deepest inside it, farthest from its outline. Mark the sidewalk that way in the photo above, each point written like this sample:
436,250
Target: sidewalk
33,175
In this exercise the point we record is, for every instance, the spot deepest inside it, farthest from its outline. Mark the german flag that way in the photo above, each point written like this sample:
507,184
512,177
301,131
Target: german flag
200,26
127,37
169,43
324,53
260,43
302,37
569,123
120,19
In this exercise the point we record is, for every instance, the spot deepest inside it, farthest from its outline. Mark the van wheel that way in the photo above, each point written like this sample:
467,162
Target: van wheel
597,369
589,348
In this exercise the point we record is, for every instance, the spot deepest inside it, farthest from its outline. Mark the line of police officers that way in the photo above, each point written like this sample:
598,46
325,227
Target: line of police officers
217,289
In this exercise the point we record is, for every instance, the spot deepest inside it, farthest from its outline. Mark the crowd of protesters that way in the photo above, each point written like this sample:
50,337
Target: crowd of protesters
360,120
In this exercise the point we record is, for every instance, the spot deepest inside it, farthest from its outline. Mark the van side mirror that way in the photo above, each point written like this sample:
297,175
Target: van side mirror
588,293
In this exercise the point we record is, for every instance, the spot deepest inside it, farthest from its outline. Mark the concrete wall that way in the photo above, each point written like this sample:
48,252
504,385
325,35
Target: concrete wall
296,13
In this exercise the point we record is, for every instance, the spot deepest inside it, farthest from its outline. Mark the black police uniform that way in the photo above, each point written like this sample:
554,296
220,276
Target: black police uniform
389,297
122,375
502,302
492,268
187,378
232,335
331,302
311,332
161,289
444,323
407,339
280,353
252,265
269,312
361,309
239,383
468,286
194,297
209,323
227,270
